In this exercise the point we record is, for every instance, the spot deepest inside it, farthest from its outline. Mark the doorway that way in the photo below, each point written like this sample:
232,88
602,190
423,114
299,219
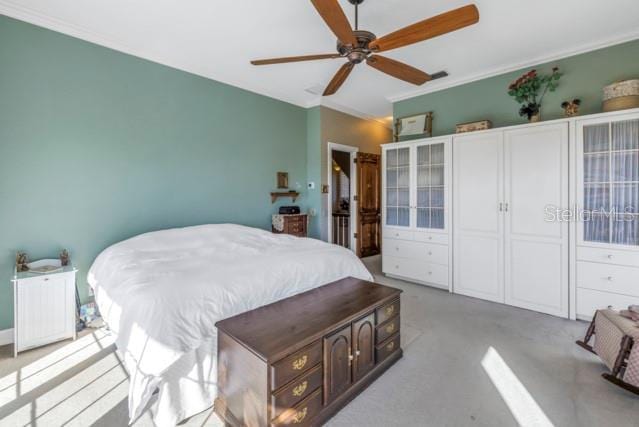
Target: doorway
354,199
342,178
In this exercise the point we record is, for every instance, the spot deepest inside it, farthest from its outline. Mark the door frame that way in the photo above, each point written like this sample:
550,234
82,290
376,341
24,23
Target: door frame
332,146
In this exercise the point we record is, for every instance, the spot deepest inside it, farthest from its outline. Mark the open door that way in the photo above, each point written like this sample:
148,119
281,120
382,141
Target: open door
368,204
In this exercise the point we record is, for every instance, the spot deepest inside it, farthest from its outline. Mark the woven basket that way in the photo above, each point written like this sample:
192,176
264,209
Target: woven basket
621,95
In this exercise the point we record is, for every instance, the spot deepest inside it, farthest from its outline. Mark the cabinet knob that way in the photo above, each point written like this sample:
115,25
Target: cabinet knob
610,278
430,253
357,353
46,279
610,256
430,237
430,272
397,266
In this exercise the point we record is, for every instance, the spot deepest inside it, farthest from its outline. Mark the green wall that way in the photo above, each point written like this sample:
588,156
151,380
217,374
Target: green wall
97,146
584,78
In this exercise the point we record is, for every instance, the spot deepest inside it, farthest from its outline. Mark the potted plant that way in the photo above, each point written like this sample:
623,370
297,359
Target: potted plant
526,91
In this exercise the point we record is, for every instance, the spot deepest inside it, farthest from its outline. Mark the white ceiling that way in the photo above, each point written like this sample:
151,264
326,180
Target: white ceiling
218,38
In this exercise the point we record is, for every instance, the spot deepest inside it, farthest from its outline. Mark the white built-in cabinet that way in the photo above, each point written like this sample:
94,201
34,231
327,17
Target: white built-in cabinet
607,191
507,246
415,214
541,216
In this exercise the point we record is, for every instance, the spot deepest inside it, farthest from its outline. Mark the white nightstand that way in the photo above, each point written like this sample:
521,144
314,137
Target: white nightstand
44,307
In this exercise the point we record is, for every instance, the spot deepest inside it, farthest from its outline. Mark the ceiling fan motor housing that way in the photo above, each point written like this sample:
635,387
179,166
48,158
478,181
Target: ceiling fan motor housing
359,53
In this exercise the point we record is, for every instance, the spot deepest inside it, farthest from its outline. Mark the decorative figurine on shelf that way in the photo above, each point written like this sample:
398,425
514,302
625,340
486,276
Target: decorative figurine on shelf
526,90
21,262
571,108
64,258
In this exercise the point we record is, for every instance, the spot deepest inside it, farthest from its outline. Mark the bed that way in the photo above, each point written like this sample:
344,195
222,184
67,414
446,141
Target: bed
162,292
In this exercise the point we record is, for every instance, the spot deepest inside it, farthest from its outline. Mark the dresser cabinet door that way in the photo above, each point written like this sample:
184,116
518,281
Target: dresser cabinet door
44,310
337,362
363,346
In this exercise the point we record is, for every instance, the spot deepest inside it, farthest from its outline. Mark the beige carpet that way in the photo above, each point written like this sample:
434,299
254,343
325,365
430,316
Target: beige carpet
466,362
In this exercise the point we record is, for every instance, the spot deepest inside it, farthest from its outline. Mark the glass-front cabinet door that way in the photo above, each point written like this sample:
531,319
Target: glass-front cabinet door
430,186
397,190
610,188
415,185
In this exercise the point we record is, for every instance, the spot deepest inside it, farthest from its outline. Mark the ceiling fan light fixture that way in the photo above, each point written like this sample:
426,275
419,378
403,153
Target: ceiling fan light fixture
357,46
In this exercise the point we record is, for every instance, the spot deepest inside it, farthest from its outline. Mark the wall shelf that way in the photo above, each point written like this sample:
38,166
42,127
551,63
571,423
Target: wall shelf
292,194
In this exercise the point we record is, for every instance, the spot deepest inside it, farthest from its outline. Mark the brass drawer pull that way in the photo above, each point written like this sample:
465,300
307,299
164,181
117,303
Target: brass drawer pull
390,346
299,364
300,389
390,328
299,416
390,310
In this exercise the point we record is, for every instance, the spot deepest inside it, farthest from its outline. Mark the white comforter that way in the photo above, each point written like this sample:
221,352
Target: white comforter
161,293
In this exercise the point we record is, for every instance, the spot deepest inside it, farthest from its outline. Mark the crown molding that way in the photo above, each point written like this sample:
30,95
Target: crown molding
589,47
28,15
325,102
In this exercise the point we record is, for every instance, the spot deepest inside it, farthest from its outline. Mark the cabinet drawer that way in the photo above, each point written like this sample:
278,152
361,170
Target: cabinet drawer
390,233
608,278
387,348
416,270
588,301
608,256
292,366
386,312
387,329
292,394
303,413
437,254
440,239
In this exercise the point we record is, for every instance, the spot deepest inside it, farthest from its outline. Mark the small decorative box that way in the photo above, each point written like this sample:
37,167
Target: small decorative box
621,95
473,126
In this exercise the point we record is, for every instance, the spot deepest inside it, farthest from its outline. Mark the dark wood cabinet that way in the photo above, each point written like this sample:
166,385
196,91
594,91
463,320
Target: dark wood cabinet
295,225
363,346
337,363
300,360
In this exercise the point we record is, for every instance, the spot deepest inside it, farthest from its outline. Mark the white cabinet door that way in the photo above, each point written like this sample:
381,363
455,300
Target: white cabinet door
396,197
45,310
536,246
478,224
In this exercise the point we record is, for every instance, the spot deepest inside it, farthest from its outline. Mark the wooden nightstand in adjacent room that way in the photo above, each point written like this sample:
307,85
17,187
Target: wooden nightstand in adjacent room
44,307
293,224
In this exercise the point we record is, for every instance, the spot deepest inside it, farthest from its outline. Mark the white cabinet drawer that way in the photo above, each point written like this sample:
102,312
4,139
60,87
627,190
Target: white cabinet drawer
588,301
437,254
609,256
441,239
608,278
404,249
392,233
416,270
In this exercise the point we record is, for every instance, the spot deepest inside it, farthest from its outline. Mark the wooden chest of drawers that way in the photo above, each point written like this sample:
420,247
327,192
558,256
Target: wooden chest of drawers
299,360
295,225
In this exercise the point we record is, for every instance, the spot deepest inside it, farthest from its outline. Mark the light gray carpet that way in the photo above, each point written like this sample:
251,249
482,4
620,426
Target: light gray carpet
466,362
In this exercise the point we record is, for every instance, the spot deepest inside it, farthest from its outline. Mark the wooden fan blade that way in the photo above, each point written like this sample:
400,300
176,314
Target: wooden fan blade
338,79
398,70
332,13
294,59
428,28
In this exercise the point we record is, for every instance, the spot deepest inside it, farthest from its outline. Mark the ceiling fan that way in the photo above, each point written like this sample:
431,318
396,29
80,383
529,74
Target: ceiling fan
358,46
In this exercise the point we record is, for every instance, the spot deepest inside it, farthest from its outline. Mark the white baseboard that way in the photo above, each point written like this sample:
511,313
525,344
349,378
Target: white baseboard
6,336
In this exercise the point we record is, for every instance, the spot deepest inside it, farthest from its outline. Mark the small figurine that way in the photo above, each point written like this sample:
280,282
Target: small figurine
571,108
21,262
64,258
